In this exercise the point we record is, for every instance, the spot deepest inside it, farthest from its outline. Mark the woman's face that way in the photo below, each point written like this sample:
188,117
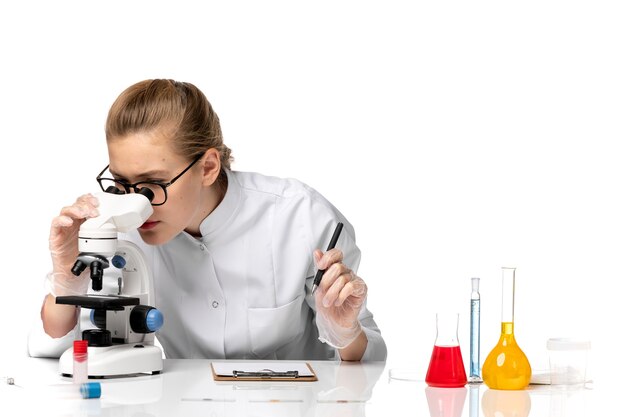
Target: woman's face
150,157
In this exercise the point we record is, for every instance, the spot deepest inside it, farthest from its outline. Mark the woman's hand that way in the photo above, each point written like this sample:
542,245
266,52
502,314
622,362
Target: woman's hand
338,300
63,245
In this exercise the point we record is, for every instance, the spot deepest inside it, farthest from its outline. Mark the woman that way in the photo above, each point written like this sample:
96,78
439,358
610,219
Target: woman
230,252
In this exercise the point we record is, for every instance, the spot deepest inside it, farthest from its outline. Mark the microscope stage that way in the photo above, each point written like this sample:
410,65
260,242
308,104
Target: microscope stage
99,302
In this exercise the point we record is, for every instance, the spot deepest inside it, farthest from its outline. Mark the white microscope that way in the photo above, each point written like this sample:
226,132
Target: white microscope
123,342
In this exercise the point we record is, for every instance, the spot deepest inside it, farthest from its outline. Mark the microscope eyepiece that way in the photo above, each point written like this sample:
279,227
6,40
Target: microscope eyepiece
146,192
111,189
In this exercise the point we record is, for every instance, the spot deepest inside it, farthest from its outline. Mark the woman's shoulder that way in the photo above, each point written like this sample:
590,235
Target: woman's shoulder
294,200
277,187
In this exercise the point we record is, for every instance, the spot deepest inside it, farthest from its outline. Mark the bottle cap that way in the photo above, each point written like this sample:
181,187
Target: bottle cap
80,346
90,390
567,343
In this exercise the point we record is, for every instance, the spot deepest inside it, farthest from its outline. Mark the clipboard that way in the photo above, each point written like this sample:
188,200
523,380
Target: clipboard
263,371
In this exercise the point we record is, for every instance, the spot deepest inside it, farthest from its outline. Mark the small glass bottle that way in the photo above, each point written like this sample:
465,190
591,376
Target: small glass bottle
446,369
506,366
80,373
474,376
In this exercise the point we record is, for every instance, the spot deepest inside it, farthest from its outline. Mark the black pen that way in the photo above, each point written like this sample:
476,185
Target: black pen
331,245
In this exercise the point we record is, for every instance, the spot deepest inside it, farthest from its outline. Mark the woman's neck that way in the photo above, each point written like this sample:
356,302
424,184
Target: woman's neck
213,198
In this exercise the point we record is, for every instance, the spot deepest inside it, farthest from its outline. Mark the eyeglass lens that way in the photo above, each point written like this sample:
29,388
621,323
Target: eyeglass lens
158,190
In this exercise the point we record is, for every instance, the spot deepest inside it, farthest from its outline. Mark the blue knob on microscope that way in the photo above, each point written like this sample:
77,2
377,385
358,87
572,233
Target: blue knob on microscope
154,320
145,319
118,261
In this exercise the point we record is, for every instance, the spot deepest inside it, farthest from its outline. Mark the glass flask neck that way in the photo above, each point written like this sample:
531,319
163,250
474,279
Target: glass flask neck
507,328
447,329
475,294
508,295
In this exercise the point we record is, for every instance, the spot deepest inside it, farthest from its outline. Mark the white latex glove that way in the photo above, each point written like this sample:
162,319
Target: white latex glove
63,244
338,300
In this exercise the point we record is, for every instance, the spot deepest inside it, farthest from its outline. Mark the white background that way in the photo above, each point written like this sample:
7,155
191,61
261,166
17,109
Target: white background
457,137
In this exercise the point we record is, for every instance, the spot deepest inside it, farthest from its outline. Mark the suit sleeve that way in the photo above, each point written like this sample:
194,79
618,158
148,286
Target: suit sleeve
322,220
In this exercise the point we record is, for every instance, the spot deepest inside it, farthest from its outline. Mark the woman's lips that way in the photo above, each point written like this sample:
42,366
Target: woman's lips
148,225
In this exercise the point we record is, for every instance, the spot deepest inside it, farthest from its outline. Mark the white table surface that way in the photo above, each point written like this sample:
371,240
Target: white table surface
186,388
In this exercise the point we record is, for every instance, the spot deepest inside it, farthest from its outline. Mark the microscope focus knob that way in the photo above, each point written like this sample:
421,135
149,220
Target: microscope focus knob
145,319
98,337
99,318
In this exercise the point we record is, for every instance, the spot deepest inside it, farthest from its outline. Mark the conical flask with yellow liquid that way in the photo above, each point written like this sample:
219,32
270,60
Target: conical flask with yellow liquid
506,367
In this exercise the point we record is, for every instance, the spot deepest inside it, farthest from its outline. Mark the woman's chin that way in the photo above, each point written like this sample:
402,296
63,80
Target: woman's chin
152,237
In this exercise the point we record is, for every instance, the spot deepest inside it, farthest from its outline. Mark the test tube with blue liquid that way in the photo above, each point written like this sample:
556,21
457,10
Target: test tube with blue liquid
474,374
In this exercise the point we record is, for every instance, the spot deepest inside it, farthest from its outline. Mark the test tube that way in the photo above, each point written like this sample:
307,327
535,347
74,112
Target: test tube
62,392
474,376
72,391
80,373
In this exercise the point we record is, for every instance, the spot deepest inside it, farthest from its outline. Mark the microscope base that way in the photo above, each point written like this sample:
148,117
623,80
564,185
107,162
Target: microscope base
116,361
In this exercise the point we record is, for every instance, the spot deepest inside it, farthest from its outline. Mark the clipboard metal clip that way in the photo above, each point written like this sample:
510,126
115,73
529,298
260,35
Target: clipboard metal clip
265,373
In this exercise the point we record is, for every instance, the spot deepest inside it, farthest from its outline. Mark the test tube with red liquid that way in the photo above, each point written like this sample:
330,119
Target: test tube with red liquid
80,373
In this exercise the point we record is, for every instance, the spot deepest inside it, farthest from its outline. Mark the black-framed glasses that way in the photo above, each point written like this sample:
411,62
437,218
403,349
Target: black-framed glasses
159,189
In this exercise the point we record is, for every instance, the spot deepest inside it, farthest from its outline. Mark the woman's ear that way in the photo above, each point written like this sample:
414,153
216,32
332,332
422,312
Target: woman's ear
211,166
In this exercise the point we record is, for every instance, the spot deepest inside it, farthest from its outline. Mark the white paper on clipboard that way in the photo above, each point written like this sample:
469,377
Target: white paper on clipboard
227,368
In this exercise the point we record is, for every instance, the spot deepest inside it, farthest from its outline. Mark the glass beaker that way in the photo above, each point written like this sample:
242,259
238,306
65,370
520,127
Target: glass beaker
446,369
506,366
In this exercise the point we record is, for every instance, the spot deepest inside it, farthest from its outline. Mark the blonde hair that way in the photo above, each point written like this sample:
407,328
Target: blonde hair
179,106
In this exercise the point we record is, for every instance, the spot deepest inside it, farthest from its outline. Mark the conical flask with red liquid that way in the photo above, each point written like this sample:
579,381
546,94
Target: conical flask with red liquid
446,368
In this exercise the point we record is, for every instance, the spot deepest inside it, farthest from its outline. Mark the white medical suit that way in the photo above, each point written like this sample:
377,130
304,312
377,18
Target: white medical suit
242,290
